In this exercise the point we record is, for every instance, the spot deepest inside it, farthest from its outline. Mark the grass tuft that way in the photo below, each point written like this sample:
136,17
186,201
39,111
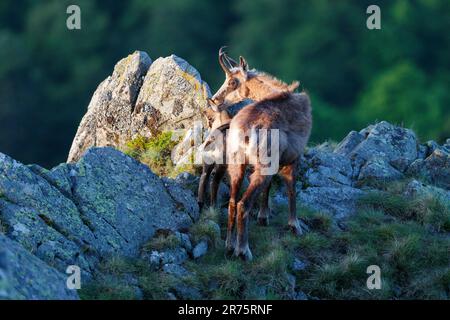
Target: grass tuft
155,152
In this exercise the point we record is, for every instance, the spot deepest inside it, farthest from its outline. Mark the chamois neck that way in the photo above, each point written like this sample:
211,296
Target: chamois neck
262,86
259,90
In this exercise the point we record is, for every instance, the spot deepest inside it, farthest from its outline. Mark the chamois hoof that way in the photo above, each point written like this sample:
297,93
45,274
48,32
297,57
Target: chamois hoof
245,254
263,221
229,248
200,206
229,252
296,230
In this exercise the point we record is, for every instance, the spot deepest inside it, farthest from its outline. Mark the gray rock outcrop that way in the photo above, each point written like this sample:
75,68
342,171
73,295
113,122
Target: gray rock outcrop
24,276
75,214
141,98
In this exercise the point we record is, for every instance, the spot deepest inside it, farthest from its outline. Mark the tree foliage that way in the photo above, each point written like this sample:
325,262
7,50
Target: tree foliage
354,75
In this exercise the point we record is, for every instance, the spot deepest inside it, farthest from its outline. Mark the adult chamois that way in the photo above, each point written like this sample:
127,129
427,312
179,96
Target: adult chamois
277,109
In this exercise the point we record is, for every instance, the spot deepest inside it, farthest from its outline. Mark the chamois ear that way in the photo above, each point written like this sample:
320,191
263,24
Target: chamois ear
243,64
212,105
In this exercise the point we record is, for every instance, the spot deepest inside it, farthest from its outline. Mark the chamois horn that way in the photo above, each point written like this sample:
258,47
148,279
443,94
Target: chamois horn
222,56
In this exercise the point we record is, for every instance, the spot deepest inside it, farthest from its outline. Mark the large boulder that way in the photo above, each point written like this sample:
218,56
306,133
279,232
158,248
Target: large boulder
141,98
107,121
326,169
106,204
24,276
173,96
339,202
435,168
41,219
378,144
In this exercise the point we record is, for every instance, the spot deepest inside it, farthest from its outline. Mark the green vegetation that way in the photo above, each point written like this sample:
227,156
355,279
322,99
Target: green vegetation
155,152
127,279
354,75
206,228
408,239
162,241
265,277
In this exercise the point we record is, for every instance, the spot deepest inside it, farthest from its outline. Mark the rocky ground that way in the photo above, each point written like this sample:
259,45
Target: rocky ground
137,235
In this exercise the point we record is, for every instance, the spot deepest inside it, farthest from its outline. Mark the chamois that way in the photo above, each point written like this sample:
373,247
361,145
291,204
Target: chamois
277,107
219,122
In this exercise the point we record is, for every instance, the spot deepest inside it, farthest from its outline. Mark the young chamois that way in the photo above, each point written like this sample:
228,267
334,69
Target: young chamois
275,107
219,122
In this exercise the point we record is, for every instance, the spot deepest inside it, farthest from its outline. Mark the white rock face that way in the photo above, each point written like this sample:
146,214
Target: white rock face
141,98
172,96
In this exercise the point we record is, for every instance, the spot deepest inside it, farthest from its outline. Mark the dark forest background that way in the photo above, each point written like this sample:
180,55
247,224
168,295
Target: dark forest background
355,76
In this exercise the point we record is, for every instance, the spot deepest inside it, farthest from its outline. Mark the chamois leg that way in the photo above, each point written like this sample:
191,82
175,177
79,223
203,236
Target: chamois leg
289,174
236,173
264,211
215,182
258,182
206,172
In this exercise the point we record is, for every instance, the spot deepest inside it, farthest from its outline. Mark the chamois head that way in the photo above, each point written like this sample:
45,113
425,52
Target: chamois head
242,83
216,118
232,91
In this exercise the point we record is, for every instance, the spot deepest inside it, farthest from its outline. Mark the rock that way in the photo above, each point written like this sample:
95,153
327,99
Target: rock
41,219
172,96
416,189
422,151
105,204
300,295
378,169
330,159
431,147
325,176
435,168
140,203
174,256
298,265
327,169
340,202
141,98
24,276
175,270
346,146
200,249
184,240
183,198
395,145
185,292
109,116
171,296
154,259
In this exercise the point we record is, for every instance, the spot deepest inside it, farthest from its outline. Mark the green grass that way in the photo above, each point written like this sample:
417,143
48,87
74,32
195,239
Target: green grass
122,278
266,276
162,241
407,238
156,152
206,228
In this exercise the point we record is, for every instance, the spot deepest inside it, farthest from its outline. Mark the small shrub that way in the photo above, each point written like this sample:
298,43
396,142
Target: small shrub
161,242
154,152
317,220
108,288
156,285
